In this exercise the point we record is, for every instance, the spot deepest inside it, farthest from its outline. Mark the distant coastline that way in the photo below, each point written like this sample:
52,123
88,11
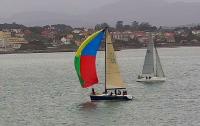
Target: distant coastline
74,50
16,38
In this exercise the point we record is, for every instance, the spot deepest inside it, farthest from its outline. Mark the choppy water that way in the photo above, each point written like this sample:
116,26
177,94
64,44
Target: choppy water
43,90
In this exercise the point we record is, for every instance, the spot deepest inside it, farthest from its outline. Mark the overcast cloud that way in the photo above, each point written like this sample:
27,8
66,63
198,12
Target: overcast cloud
11,7
39,12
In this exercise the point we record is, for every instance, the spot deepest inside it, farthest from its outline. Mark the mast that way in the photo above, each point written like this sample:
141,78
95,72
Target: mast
157,58
156,69
156,62
154,57
4,45
154,54
105,57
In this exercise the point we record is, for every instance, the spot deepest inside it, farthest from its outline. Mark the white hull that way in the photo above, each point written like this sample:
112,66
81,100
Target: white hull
152,80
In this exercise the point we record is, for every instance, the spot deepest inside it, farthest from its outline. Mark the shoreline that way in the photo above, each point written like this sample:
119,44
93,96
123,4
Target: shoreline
74,50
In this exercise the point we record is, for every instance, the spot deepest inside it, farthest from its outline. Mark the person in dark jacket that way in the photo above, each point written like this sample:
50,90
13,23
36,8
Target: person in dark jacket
93,92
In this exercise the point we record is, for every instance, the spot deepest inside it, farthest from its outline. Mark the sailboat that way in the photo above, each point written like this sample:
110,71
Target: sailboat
85,65
152,68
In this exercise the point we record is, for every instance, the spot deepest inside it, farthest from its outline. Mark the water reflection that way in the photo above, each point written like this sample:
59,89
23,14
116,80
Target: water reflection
87,106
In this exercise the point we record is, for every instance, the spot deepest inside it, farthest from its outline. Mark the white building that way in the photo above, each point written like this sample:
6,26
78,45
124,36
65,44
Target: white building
76,31
196,32
125,36
65,41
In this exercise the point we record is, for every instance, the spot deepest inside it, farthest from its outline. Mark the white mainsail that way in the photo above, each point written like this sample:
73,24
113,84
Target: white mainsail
113,77
148,67
152,64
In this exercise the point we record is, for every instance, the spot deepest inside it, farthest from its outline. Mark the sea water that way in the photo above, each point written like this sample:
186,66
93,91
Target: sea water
42,89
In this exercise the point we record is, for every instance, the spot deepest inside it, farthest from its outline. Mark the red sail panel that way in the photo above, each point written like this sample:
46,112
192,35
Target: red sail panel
88,70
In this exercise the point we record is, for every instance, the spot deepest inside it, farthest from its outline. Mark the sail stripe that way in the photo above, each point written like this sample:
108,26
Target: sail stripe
92,47
85,59
86,42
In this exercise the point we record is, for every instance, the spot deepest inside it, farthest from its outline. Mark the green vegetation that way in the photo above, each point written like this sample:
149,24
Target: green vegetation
50,35
135,26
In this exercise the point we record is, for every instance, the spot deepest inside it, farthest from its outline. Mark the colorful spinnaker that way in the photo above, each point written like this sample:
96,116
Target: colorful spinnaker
85,59
85,65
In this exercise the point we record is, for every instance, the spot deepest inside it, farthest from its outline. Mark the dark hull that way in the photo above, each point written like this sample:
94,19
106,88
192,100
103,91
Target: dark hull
109,97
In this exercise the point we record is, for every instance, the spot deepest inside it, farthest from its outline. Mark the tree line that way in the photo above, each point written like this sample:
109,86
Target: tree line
134,26
119,26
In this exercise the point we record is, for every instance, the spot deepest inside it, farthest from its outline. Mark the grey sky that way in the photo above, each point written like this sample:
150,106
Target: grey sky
11,7
183,0
91,12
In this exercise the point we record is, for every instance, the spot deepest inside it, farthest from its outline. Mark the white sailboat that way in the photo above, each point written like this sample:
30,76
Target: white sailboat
152,68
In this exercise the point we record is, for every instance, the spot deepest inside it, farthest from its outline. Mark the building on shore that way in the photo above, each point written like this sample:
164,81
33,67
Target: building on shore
124,36
169,36
196,32
8,42
15,42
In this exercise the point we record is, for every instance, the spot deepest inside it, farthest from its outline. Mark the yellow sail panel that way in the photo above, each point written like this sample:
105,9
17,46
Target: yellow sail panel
113,77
